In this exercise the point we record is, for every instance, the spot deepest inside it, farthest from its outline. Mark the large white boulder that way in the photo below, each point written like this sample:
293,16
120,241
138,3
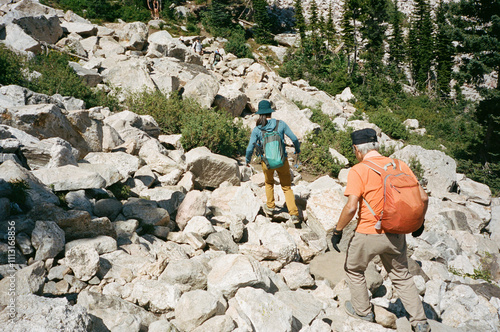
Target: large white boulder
232,272
48,239
47,314
42,28
194,308
39,193
44,121
127,164
89,76
263,311
203,88
474,191
275,238
161,44
234,200
194,204
16,38
210,169
131,75
231,100
133,35
82,29
69,178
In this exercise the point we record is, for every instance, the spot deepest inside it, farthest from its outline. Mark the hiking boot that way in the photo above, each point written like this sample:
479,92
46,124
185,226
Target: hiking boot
295,219
268,212
422,327
349,309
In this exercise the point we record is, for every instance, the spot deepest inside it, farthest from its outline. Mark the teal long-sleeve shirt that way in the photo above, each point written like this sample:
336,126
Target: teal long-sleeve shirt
283,130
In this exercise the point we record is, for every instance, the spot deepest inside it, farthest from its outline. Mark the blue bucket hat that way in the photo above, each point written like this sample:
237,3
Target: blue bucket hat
264,107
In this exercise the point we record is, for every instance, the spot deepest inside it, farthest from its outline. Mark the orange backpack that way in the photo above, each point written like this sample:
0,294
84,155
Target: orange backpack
403,209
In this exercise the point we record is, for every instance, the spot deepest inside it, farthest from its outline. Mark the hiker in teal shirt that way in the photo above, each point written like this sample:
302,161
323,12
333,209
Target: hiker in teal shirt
264,122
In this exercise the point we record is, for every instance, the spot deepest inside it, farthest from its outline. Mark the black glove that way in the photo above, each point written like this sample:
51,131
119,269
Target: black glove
337,236
418,232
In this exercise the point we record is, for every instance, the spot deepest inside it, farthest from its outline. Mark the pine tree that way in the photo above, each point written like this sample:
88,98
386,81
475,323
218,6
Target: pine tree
479,23
396,41
329,28
262,30
420,44
444,52
313,17
351,13
373,31
300,22
314,28
218,19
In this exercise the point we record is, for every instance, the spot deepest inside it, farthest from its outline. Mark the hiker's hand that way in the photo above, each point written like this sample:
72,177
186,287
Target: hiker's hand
337,236
418,232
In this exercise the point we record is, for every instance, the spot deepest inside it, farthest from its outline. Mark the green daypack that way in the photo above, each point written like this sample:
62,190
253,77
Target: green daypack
273,150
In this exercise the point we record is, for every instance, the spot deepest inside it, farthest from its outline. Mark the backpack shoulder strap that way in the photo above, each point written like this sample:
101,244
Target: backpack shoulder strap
379,172
277,124
397,164
262,131
374,167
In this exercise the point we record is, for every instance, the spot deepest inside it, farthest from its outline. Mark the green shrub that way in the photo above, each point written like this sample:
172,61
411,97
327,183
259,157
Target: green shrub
92,9
416,168
390,125
134,11
316,159
61,196
167,110
120,190
108,10
10,67
315,154
236,44
199,127
386,151
217,131
58,77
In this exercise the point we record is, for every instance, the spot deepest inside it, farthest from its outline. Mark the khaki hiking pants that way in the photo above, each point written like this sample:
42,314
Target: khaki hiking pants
286,185
392,251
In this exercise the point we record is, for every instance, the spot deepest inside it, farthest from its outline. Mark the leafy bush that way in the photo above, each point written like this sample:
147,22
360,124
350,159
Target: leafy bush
198,126
120,190
133,11
167,111
316,157
237,44
58,77
10,67
390,125
92,9
108,10
416,168
192,25
215,130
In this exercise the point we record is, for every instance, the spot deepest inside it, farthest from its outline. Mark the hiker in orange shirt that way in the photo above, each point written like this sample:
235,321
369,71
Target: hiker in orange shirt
365,188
